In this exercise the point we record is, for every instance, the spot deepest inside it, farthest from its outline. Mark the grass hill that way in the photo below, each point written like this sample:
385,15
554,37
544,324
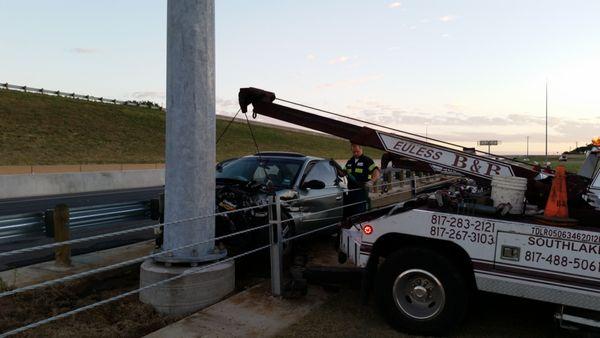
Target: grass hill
40,129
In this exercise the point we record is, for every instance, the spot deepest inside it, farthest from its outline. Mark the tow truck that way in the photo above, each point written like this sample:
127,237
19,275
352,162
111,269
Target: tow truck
425,258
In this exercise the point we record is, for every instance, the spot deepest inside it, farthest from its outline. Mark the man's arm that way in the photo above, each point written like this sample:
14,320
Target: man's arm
374,171
375,175
340,171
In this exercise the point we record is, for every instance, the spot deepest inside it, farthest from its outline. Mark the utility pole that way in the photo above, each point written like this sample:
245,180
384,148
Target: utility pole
527,147
546,120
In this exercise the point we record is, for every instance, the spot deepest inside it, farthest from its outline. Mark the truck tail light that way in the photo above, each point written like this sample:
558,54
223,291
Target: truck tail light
368,229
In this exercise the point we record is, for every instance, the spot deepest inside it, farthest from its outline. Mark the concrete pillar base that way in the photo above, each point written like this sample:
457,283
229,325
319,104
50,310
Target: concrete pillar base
187,294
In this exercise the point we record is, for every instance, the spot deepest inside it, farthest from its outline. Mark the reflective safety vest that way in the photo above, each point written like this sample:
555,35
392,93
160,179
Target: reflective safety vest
361,170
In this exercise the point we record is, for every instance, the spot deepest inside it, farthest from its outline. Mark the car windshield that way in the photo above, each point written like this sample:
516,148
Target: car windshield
281,171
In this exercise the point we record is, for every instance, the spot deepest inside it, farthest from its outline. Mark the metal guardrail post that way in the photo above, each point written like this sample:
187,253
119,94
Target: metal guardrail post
62,254
413,185
275,237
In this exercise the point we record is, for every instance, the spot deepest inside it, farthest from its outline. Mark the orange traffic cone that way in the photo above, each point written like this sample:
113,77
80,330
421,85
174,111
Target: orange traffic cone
557,210
556,207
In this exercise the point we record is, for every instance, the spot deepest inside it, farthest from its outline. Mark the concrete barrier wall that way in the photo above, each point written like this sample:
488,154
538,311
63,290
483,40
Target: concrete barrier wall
13,186
47,169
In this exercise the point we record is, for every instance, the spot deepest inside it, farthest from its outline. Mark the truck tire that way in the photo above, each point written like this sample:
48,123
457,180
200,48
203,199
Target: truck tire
420,291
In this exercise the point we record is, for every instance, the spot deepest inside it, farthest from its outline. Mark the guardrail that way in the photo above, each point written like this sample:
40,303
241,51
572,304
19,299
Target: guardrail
26,89
34,224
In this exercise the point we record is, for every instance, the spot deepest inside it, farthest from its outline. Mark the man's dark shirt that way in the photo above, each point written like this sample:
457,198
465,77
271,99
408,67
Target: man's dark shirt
361,170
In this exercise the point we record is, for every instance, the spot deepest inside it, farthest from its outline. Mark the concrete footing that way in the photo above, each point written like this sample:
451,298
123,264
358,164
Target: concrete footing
187,294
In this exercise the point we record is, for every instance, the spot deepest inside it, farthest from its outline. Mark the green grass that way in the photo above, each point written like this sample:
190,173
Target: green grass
573,163
39,129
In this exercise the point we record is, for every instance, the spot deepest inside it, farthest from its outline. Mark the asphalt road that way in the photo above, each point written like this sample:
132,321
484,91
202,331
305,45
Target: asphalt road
40,204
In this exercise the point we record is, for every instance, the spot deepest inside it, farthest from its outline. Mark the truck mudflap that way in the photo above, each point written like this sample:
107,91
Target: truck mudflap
351,244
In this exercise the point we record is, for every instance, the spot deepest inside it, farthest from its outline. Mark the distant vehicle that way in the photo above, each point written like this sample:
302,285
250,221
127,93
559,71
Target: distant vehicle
562,157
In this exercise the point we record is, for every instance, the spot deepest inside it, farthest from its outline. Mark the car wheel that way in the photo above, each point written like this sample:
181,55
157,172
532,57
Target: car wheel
421,292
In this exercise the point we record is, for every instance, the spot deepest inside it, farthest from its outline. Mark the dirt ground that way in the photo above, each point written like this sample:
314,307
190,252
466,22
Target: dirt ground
490,316
127,317
108,320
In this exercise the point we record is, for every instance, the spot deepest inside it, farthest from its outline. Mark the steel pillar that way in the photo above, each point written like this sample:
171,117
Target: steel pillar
190,130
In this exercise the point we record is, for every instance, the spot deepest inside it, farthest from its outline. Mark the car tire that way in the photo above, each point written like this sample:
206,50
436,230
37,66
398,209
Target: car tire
421,291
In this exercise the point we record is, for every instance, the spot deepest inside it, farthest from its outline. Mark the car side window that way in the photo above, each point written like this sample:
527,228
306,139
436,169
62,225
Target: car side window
322,171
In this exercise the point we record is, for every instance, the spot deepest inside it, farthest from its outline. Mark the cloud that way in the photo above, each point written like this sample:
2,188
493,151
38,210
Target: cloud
456,126
226,103
81,50
339,59
445,35
447,18
396,4
311,57
350,82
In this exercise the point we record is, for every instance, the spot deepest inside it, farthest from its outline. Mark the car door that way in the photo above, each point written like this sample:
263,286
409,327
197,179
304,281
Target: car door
320,206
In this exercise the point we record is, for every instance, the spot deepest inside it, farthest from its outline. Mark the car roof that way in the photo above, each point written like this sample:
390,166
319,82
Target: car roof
284,154
279,153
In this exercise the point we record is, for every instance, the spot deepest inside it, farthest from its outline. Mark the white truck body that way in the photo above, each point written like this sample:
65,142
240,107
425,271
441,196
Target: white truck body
553,264
594,195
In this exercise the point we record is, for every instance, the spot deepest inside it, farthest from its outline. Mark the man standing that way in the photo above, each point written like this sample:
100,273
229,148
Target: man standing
362,174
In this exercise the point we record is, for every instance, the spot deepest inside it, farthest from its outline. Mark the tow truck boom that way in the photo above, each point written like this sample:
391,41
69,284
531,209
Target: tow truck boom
479,167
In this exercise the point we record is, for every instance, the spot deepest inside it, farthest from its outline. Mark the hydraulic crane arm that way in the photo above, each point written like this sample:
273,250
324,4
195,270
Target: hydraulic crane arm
472,165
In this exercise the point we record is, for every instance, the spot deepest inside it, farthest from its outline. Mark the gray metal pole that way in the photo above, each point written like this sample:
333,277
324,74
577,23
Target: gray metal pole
190,130
546,120
276,237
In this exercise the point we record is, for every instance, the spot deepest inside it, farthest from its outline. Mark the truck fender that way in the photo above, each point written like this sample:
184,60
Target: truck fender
392,242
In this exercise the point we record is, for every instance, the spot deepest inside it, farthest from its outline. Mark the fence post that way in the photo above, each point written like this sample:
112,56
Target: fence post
62,254
275,238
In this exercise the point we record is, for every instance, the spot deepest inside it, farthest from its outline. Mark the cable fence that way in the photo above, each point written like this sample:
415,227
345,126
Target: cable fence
129,293
275,207
43,91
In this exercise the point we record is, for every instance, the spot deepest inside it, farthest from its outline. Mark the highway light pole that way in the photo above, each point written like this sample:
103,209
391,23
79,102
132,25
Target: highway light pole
190,169
190,128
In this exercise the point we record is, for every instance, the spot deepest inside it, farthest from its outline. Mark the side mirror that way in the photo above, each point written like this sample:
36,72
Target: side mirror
314,184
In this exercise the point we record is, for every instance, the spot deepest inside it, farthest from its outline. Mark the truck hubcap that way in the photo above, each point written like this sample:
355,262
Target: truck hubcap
418,294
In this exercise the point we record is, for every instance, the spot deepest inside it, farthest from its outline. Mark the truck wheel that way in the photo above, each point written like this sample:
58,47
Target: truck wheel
422,292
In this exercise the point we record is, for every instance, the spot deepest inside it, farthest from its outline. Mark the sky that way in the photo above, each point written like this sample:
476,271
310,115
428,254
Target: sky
461,71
